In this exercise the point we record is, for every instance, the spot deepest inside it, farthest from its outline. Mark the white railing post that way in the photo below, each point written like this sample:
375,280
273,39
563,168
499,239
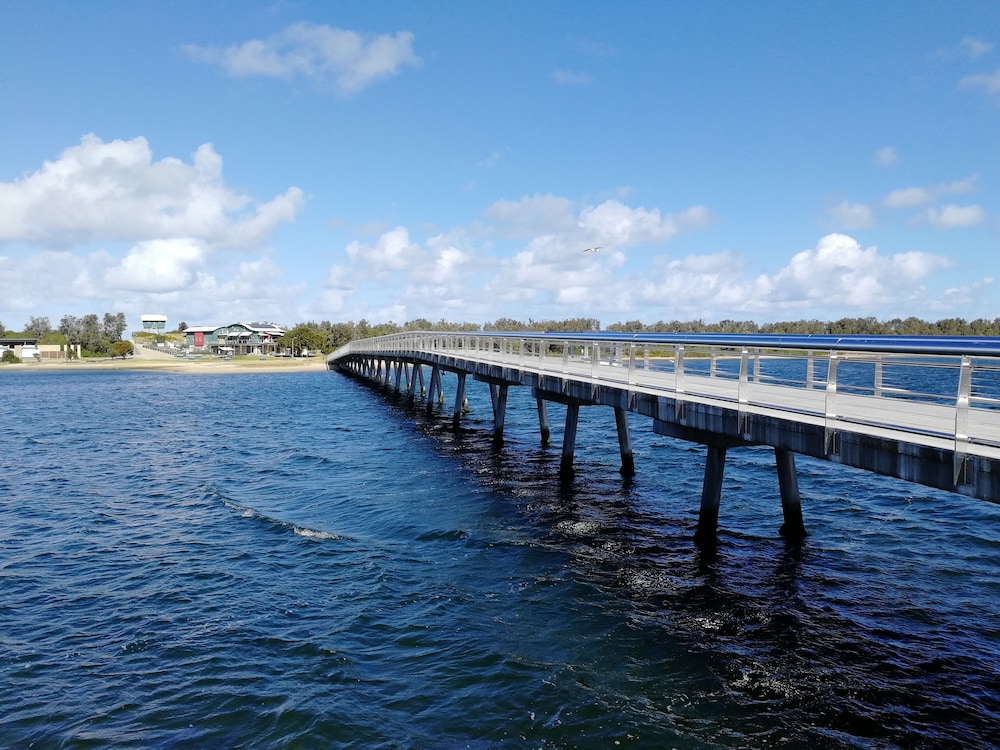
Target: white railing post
962,416
679,369
830,406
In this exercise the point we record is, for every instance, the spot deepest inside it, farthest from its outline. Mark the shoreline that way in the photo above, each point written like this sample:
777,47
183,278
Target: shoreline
207,366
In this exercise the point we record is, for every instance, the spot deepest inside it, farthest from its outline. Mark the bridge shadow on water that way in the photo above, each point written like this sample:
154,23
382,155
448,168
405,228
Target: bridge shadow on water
807,644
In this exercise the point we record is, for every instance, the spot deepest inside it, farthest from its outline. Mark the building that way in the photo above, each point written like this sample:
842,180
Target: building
23,348
154,323
235,338
28,349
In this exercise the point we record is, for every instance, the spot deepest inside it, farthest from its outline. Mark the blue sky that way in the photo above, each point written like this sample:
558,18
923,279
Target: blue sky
294,161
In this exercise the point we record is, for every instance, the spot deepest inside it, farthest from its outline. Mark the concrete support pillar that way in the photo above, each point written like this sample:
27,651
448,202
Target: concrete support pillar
420,377
499,395
711,494
414,374
434,387
543,421
624,442
569,439
399,374
793,528
456,417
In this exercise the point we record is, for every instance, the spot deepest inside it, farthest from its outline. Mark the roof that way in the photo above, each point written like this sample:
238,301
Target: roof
272,329
19,340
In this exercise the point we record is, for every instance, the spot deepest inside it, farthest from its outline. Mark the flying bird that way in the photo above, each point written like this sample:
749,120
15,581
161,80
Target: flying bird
596,249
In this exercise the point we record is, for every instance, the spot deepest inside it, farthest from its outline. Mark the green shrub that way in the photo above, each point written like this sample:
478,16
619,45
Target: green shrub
9,358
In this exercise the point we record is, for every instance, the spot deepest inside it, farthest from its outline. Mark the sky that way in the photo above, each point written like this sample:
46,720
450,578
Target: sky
218,162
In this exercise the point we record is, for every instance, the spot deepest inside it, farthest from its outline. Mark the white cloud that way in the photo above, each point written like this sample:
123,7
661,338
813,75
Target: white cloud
988,82
342,59
614,223
570,78
974,47
952,216
840,273
157,266
886,156
114,191
392,252
914,197
852,215
531,216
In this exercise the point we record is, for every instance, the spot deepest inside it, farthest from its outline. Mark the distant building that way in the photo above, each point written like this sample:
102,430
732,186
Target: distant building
235,338
22,347
156,323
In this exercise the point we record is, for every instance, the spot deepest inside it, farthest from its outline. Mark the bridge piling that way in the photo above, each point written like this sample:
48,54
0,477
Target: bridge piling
543,421
624,442
793,529
569,438
411,390
456,417
711,494
498,394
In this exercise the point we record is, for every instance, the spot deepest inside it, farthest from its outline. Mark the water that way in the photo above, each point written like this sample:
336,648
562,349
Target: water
290,560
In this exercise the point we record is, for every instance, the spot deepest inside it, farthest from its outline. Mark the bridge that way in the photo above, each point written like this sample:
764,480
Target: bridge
922,409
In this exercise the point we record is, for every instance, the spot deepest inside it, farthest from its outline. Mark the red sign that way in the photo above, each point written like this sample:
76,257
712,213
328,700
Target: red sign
199,338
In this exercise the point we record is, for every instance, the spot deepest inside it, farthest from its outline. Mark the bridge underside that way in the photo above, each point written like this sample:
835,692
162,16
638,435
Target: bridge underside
718,427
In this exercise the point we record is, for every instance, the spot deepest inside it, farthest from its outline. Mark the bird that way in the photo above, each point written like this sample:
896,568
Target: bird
596,249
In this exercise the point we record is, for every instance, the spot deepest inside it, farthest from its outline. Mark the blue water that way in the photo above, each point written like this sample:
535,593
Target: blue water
294,560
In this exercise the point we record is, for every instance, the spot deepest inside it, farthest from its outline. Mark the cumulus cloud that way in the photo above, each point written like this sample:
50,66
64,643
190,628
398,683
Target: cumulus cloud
115,191
393,251
840,272
344,60
987,82
952,216
531,216
157,266
914,197
852,215
615,223
838,275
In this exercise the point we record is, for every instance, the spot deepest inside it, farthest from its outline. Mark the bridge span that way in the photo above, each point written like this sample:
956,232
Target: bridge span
923,409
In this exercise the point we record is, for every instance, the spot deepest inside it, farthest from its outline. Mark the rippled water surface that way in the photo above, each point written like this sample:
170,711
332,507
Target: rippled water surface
294,560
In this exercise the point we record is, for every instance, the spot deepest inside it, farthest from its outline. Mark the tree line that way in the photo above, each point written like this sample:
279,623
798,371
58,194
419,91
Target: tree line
97,336
327,336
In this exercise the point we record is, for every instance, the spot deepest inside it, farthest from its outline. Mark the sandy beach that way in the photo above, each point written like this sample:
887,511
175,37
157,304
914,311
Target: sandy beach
204,366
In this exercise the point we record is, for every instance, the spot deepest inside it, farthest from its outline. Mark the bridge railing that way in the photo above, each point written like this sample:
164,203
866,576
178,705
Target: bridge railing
945,391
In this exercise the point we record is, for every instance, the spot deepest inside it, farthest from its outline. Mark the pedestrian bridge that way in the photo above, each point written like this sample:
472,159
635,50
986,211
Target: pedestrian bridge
922,409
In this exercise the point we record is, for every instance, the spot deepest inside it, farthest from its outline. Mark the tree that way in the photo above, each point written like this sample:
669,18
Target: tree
69,326
122,349
304,336
37,327
182,326
91,338
113,327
